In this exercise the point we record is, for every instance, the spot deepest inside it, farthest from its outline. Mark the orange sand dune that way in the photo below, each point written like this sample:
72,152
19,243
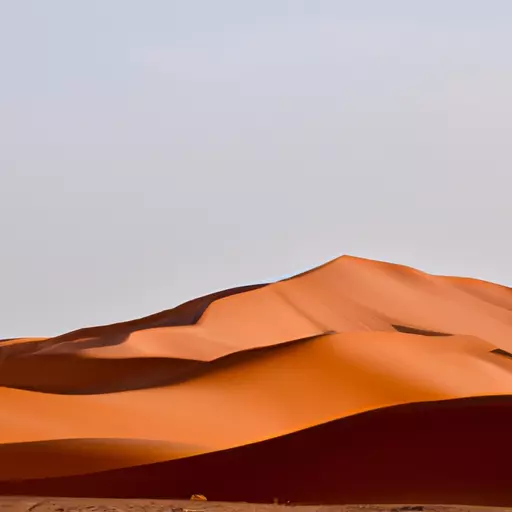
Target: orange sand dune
431,452
251,392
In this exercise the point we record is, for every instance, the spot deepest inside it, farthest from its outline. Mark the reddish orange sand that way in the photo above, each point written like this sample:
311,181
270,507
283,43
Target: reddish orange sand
356,382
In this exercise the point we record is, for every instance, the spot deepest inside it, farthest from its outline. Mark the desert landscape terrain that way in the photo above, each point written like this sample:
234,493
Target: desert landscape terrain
358,382
37,504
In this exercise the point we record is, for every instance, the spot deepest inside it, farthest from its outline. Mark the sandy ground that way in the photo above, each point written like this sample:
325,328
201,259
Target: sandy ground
35,504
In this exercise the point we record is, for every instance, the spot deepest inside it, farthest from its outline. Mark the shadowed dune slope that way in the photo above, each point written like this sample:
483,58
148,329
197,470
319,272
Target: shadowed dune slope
80,456
251,392
72,374
438,452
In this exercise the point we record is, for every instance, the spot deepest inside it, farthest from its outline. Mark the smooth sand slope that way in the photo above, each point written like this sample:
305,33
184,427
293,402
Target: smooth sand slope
358,381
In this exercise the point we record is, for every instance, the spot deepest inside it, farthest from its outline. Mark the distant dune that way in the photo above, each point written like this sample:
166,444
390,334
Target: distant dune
356,382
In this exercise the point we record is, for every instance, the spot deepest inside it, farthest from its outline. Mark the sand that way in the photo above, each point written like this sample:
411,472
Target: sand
356,382
38,504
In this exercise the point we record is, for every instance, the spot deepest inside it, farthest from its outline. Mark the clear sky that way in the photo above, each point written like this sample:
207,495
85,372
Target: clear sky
153,151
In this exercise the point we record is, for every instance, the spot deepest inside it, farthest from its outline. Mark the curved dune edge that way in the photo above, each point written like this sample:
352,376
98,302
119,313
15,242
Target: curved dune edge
186,314
44,459
72,374
436,452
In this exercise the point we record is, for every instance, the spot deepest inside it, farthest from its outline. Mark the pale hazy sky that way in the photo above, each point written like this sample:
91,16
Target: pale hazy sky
155,150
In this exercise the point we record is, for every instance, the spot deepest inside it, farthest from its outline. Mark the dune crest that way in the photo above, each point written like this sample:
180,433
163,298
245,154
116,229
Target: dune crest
297,376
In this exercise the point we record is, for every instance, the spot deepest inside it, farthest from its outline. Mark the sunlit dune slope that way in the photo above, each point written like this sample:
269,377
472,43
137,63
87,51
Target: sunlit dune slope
327,357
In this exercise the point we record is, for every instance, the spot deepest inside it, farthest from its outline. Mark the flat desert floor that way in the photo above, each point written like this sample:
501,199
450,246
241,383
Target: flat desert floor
35,504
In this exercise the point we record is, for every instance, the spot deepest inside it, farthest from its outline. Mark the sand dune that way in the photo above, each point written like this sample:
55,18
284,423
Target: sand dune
358,381
432,452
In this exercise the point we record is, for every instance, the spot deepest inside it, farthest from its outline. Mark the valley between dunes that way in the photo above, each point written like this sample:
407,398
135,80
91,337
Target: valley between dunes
356,382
